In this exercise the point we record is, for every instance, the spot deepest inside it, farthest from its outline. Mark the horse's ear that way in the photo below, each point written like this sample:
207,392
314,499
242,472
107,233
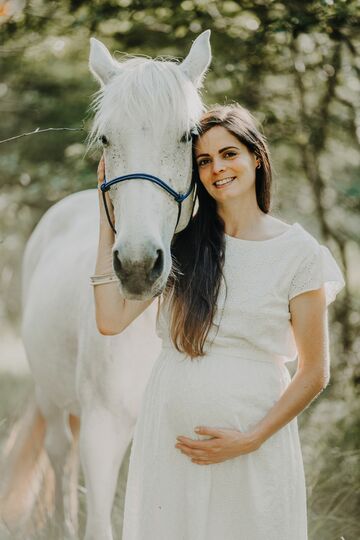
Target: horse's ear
101,62
198,60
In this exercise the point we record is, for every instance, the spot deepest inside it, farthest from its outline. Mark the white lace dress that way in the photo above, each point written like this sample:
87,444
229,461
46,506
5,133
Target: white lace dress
257,496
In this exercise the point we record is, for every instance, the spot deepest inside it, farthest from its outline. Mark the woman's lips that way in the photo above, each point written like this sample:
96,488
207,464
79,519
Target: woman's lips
224,185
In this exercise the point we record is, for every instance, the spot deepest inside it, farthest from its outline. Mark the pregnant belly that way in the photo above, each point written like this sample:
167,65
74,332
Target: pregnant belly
217,391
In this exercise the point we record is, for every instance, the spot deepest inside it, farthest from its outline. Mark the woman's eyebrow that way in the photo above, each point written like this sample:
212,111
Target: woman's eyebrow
220,151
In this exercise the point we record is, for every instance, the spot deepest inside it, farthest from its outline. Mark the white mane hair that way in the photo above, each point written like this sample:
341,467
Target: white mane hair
151,93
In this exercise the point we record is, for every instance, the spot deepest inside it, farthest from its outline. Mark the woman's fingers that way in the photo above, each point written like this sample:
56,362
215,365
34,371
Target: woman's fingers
101,171
101,178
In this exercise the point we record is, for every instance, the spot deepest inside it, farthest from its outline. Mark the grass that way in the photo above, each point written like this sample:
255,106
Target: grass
329,429
15,391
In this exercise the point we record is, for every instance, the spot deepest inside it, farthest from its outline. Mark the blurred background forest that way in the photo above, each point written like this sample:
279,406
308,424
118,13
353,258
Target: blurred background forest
296,66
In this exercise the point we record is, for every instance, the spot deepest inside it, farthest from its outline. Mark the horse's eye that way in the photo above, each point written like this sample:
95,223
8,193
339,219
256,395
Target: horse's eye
188,136
104,140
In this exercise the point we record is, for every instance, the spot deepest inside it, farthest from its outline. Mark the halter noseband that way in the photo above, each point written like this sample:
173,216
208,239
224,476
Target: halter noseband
178,197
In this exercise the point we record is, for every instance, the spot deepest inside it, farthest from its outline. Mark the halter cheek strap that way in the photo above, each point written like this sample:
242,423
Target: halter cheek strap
178,197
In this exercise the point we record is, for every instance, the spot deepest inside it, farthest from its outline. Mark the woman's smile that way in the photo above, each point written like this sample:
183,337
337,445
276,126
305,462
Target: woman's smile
224,182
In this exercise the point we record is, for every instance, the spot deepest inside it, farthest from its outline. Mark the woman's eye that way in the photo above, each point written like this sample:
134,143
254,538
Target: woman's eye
230,154
203,162
104,140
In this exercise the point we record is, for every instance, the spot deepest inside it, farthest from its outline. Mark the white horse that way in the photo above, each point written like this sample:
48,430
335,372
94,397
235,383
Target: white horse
145,111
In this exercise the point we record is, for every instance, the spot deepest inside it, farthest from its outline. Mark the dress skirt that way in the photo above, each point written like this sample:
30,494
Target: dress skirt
256,496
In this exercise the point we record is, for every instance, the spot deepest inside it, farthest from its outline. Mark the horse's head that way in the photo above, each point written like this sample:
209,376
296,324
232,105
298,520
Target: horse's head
146,111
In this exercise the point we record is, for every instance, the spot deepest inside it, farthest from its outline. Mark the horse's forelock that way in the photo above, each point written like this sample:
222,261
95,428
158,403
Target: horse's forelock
154,91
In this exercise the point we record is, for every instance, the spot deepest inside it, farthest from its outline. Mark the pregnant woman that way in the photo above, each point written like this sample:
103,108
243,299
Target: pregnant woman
216,451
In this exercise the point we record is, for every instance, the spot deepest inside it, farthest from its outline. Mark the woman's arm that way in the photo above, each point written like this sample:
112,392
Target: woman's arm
309,321
310,326
113,312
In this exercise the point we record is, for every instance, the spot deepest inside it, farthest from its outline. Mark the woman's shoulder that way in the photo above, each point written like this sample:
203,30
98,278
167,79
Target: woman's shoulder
305,240
278,227
275,226
293,234
291,240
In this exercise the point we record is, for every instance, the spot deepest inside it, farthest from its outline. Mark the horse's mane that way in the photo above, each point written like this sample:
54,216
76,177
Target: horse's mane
154,91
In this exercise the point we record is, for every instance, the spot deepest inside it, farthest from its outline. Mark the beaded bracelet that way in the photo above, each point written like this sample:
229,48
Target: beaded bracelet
103,278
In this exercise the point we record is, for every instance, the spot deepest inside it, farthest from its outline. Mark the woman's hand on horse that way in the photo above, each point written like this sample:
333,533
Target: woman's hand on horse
225,444
101,171
101,178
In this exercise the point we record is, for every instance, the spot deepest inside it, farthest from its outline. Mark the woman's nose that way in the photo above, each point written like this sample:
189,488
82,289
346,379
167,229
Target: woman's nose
218,166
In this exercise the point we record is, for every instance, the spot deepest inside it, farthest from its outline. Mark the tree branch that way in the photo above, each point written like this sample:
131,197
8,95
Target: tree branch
38,130
310,154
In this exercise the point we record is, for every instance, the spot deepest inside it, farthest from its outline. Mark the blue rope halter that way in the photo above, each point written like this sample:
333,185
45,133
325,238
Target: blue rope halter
178,197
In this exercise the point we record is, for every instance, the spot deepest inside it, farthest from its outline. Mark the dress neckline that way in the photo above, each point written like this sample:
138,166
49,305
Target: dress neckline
234,239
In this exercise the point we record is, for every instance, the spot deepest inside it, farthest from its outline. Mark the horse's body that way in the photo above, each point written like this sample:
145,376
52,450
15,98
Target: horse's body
77,371
59,317
59,313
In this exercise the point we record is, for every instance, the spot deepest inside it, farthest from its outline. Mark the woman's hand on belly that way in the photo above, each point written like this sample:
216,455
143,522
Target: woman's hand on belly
225,444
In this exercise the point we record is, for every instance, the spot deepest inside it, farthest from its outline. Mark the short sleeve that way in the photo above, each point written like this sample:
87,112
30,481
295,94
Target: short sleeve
318,269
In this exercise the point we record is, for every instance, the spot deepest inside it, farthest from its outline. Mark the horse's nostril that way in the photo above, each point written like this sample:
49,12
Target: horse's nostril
158,265
150,268
116,261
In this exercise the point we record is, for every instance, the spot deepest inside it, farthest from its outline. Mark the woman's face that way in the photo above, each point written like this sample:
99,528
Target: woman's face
221,156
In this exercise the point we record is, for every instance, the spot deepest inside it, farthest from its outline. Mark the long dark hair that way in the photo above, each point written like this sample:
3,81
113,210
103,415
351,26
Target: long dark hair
199,250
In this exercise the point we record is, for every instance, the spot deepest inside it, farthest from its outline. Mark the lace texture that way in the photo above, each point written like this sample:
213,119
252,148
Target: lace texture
318,269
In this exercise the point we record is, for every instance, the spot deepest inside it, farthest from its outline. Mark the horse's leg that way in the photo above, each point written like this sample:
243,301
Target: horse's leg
104,439
58,444
72,473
